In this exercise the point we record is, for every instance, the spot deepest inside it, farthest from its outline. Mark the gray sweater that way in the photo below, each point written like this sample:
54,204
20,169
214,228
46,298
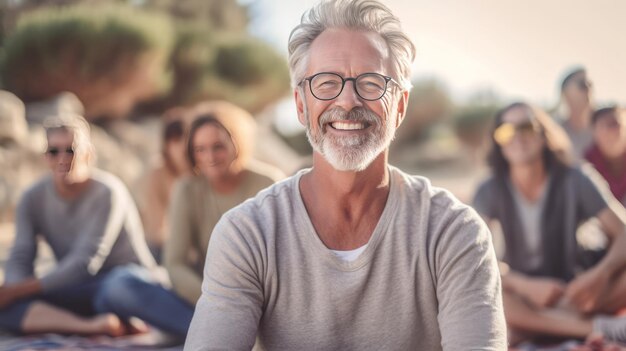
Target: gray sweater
427,280
98,230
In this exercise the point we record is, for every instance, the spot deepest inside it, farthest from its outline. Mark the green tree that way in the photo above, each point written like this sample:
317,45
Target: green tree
113,55
220,15
109,56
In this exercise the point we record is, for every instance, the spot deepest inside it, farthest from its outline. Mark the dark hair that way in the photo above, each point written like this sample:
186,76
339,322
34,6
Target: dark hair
173,130
601,112
199,122
556,151
570,75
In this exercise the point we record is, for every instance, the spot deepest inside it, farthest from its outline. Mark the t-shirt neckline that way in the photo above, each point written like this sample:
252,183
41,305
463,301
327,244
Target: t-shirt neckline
307,229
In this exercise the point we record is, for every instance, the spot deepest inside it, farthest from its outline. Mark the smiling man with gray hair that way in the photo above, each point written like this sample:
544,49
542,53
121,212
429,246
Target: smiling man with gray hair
352,254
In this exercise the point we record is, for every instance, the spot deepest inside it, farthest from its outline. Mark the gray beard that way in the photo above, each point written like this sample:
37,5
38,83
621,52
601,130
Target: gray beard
353,153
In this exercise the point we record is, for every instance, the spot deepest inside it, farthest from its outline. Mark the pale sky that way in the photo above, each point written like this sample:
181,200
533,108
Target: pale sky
519,49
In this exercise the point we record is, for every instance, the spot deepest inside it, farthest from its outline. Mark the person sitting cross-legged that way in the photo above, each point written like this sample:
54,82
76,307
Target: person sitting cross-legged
540,199
105,273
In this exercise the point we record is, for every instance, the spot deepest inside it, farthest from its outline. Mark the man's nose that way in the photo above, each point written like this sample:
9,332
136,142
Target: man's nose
348,99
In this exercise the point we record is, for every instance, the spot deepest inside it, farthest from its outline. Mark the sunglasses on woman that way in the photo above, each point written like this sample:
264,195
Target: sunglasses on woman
505,132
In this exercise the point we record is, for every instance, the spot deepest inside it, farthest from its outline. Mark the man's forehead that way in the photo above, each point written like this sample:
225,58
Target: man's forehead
339,47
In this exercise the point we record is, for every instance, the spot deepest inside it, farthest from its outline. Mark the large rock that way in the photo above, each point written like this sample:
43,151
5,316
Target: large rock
21,153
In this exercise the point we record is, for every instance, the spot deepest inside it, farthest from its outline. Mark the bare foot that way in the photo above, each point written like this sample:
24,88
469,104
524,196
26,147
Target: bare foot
108,324
136,326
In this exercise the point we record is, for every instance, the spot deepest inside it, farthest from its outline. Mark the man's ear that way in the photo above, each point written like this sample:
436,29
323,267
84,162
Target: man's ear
402,106
297,94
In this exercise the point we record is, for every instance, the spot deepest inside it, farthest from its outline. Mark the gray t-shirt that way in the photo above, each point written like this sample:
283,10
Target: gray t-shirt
98,230
530,218
427,280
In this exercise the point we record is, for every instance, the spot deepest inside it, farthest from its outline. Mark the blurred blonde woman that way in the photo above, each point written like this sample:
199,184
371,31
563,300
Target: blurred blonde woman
219,149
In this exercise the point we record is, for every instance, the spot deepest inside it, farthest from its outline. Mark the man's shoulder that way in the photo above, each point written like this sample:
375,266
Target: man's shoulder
268,200
420,188
440,206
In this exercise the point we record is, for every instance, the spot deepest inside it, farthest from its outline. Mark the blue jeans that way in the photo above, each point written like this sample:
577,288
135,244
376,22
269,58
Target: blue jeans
127,291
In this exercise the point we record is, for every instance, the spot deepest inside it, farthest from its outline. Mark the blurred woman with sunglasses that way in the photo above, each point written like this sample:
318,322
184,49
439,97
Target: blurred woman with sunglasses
577,100
104,273
219,149
608,152
539,200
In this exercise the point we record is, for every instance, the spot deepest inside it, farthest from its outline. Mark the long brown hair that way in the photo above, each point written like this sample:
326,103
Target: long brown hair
556,150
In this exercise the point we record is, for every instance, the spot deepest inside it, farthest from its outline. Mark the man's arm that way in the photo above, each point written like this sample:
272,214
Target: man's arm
471,315
228,312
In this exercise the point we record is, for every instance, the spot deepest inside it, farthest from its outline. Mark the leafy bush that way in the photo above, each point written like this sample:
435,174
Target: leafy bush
217,65
80,44
114,56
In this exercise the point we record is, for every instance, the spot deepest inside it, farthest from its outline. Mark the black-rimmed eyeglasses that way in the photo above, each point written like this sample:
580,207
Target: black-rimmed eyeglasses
368,86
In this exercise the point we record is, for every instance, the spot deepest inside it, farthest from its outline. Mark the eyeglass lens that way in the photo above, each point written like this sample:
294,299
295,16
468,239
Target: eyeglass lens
327,86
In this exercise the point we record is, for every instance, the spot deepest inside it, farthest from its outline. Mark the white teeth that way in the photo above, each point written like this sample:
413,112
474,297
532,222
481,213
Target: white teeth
347,126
